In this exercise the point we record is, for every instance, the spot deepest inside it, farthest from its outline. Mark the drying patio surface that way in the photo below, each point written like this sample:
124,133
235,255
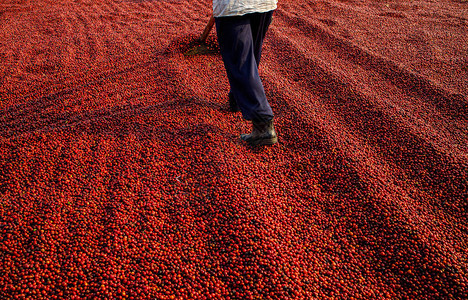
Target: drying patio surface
122,175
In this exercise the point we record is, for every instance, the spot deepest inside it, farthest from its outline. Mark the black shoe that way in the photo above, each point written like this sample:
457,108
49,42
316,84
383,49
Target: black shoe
233,107
263,133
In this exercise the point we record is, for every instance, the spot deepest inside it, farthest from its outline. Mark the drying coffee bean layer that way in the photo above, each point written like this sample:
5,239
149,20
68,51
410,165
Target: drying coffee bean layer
122,175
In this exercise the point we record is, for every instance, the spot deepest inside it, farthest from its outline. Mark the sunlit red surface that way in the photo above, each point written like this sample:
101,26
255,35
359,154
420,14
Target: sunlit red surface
122,175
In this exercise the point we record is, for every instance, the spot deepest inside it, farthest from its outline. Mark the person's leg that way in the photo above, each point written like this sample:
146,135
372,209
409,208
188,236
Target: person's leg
259,24
237,49
233,107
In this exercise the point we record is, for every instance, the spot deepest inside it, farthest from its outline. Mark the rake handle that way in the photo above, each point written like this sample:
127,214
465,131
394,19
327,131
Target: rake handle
207,30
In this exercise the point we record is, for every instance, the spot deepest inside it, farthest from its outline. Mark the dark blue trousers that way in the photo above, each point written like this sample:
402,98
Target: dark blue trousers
240,41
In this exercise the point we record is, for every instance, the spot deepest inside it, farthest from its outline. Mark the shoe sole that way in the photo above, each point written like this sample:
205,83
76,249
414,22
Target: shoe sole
268,142
263,142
